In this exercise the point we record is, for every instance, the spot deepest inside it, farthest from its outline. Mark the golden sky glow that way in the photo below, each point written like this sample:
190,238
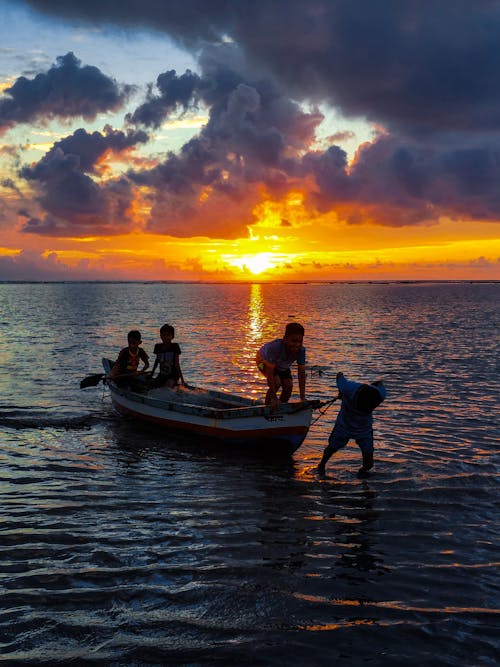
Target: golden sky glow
222,188
284,243
333,251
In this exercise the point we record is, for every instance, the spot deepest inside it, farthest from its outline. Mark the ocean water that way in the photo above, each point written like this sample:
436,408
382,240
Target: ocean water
120,545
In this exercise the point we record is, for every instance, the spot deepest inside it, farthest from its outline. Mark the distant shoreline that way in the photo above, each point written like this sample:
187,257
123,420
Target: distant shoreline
247,282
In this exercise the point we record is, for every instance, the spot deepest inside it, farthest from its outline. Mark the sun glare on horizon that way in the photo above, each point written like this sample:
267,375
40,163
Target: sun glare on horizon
255,264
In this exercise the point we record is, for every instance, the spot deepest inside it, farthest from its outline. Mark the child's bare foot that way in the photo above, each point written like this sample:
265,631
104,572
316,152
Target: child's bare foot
320,470
363,472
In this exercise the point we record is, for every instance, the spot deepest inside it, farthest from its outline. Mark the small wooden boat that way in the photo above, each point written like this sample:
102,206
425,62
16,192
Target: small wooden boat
215,414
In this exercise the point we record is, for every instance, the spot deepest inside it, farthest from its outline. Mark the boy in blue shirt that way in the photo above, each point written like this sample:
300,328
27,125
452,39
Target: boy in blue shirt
354,420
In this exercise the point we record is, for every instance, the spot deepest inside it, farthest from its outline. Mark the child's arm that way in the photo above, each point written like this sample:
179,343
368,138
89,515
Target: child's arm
116,370
117,366
143,355
346,387
301,371
381,387
177,364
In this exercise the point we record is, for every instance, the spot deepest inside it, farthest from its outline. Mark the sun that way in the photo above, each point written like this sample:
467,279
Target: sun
255,264
258,263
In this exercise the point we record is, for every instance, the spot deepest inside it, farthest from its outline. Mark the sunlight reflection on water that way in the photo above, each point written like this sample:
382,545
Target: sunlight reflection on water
123,546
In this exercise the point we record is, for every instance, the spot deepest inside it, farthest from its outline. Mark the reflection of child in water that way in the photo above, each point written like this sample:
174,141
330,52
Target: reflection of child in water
354,420
167,358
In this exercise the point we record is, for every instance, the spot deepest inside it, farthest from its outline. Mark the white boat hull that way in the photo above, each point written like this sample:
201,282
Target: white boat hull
218,415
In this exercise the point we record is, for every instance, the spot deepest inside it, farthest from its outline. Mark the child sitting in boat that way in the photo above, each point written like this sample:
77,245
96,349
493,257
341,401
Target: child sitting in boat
354,420
125,369
274,360
167,359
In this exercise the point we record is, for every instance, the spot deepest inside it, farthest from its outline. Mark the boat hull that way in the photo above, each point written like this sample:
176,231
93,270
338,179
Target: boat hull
249,424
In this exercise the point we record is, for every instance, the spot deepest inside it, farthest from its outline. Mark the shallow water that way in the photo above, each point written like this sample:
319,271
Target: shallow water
119,545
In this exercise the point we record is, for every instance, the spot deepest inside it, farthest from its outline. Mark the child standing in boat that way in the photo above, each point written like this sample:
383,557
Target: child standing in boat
274,360
167,359
126,366
354,420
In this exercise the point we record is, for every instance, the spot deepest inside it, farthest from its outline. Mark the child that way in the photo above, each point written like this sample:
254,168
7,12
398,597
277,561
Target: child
128,360
274,360
354,420
167,358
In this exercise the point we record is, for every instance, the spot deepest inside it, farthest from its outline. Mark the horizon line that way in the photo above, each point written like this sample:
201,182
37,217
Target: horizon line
254,282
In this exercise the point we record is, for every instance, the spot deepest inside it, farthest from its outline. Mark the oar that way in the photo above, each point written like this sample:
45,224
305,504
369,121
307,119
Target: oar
92,380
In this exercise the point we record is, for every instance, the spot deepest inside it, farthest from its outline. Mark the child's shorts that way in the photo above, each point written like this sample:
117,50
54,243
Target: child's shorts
265,367
162,378
339,438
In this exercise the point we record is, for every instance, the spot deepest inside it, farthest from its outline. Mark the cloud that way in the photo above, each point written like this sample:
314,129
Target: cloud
423,73
396,183
174,92
91,147
67,90
409,65
250,145
9,184
247,146
32,265
74,204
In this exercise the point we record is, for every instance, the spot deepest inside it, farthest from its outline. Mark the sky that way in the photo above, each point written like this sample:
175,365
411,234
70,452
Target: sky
212,140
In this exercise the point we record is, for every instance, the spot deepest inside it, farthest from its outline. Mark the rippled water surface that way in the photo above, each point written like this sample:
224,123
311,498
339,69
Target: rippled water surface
122,546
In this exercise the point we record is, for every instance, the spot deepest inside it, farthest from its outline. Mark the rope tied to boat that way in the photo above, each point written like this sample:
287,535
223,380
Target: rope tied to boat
323,406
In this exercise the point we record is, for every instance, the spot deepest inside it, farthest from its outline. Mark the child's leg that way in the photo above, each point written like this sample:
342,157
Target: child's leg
365,443
336,441
367,461
269,393
160,380
286,392
269,372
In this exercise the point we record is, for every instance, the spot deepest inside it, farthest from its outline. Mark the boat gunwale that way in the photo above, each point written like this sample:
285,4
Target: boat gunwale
256,410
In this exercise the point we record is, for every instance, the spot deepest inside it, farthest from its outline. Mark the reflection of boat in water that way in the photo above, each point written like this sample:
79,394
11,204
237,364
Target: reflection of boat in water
216,414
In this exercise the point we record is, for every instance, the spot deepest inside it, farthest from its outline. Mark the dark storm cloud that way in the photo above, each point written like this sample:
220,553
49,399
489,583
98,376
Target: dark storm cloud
402,183
191,21
418,66
68,89
249,118
252,138
73,203
174,91
428,73
90,147
256,135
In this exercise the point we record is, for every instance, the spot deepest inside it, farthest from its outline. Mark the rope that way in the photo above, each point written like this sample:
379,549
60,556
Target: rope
325,405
